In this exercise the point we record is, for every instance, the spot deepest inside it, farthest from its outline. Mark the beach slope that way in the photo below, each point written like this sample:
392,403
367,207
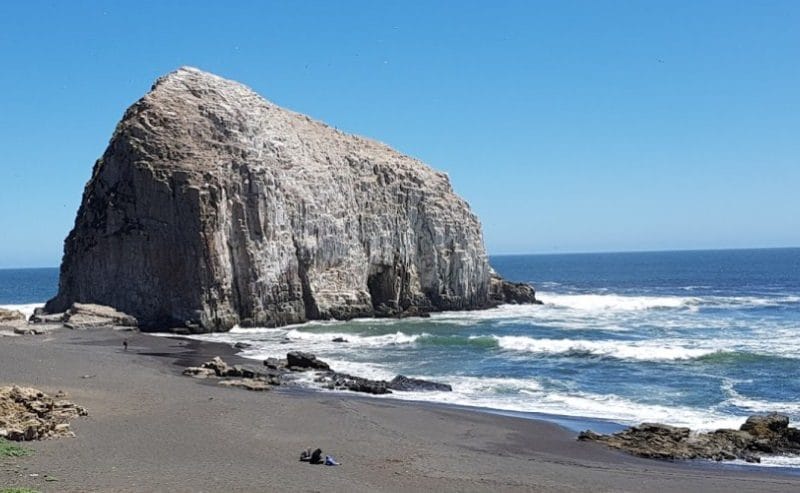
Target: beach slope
151,429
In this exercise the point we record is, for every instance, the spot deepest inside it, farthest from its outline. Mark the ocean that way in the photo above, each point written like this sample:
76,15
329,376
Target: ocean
693,338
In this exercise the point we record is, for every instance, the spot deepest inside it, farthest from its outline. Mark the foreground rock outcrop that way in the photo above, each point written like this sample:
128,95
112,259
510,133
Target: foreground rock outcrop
213,207
12,322
11,317
758,436
83,316
29,414
79,316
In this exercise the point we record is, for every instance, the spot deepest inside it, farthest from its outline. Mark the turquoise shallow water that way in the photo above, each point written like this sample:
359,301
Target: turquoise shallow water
701,339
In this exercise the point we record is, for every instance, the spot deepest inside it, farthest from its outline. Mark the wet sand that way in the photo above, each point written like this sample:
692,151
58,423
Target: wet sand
151,429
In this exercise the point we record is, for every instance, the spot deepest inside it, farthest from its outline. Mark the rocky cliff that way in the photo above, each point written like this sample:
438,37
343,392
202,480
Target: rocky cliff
213,207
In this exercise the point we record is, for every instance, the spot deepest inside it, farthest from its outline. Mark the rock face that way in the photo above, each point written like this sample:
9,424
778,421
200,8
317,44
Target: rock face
759,435
213,207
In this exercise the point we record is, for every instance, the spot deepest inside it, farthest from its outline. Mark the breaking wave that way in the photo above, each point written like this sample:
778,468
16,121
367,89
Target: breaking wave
633,350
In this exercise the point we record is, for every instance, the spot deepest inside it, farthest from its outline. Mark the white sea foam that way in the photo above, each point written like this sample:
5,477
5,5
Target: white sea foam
621,303
614,302
780,461
361,369
352,339
757,405
762,406
634,350
26,309
511,394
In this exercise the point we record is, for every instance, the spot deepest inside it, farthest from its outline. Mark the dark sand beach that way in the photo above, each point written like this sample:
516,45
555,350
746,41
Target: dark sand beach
151,429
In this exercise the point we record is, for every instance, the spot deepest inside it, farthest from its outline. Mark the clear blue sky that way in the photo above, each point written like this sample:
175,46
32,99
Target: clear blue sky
568,126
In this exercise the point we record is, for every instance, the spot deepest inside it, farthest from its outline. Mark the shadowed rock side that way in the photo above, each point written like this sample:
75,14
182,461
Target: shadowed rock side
213,207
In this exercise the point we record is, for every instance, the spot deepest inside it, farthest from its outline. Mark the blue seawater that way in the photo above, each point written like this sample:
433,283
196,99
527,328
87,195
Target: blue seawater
27,286
695,338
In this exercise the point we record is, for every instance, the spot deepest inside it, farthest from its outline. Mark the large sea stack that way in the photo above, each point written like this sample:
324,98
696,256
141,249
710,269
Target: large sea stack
213,207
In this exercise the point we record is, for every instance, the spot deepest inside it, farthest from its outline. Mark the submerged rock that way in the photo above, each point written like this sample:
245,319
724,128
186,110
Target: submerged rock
759,435
407,384
342,381
213,207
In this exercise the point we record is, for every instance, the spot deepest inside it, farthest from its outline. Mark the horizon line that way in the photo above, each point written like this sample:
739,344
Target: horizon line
594,252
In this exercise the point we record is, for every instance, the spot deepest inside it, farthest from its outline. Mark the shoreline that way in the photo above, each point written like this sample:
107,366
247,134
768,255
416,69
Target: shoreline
150,428
569,423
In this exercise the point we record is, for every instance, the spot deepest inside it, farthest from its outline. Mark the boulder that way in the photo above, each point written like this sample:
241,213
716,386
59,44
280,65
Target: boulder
407,384
303,361
246,383
758,436
82,316
212,207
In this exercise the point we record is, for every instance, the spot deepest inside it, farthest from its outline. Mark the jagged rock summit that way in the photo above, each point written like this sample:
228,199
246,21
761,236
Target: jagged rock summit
213,207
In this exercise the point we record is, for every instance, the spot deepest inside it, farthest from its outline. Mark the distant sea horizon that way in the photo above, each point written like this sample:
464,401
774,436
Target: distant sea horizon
516,254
